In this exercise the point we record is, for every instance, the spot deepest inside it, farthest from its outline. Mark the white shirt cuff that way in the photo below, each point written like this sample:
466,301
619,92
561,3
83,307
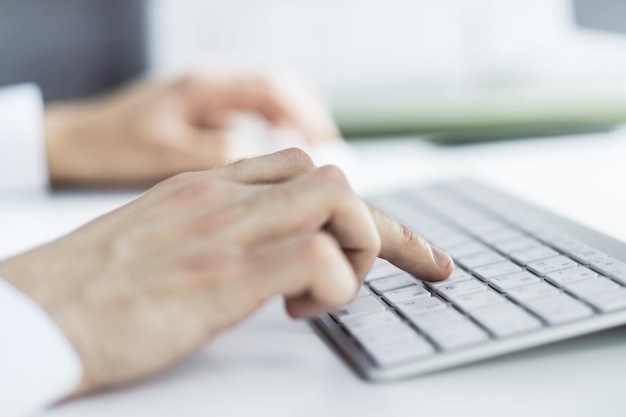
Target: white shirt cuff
23,161
38,365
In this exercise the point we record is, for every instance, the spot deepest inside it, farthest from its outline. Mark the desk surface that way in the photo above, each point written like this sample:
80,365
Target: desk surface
271,365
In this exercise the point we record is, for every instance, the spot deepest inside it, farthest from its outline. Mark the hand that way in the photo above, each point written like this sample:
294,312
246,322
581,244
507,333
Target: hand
155,128
148,284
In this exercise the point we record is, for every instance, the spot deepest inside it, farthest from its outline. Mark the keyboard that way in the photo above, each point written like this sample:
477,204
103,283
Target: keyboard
523,277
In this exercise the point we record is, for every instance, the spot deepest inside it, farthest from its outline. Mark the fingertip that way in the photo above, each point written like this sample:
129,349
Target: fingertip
443,261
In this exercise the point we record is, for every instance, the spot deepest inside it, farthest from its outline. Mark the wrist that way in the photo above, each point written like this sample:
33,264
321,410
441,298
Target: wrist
67,127
59,127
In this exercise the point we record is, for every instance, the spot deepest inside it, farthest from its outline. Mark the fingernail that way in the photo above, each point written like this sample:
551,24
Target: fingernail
442,259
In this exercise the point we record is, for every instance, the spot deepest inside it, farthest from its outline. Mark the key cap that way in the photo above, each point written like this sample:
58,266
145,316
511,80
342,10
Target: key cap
362,292
466,249
612,268
449,240
457,275
407,293
489,272
479,300
460,289
569,276
558,309
508,282
584,289
538,253
547,233
382,269
481,228
549,265
506,319
501,235
516,245
587,255
383,285
420,305
436,318
566,244
479,259
608,301
398,353
462,334
381,336
370,321
532,292
359,306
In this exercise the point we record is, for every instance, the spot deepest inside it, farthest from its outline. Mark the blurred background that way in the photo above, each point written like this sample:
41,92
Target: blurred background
464,69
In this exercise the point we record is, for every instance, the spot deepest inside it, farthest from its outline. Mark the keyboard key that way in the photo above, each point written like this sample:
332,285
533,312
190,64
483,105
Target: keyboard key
457,275
506,319
612,268
381,336
566,243
516,245
587,255
532,292
436,318
401,352
382,269
585,288
466,249
479,300
549,265
526,256
481,228
508,282
359,306
460,289
420,305
383,285
462,334
501,235
404,294
489,272
363,292
569,276
371,321
608,301
558,309
450,240
479,259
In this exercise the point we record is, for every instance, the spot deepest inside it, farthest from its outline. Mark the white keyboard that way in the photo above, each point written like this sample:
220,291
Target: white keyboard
523,277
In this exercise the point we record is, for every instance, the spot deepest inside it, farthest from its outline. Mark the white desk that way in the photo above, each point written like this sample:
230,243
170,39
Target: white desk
276,367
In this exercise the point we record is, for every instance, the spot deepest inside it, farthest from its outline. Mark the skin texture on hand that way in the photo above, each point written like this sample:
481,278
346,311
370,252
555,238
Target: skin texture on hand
148,284
154,129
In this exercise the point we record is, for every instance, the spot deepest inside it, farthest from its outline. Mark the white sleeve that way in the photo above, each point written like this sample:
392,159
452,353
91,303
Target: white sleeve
23,162
38,365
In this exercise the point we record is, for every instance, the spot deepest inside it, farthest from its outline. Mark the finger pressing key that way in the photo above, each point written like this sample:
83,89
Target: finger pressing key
409,251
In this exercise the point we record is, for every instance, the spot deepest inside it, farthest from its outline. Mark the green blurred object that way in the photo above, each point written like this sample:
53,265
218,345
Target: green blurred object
480,115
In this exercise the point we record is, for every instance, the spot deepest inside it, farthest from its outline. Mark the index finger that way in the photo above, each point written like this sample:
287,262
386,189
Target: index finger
409,251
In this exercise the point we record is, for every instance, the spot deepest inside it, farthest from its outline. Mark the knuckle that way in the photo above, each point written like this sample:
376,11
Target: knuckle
180,179
298,160
318,249
332,173
194,188
412,239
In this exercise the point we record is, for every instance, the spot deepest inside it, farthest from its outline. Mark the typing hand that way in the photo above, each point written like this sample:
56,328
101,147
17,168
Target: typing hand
156,128
150,283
